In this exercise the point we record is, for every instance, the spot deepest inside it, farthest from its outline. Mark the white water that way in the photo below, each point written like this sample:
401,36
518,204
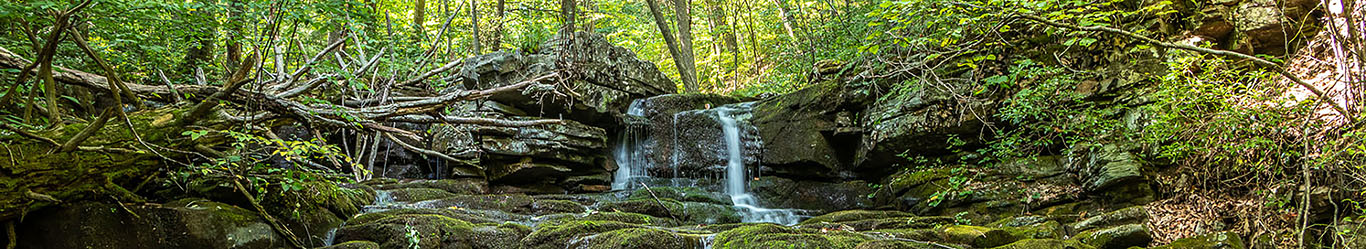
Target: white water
629,153
750,210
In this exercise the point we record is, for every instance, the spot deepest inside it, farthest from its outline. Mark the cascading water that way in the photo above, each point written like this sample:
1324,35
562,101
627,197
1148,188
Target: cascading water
636,143
630,154
736,177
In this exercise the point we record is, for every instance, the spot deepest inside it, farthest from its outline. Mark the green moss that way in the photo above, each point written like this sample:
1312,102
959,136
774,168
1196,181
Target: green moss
976,236
775,236
852,215
887,223
556,206
461,186
690,212
692,194
561,235
431,230
512,203
1045,244
472,216
638,238
418,194
624,217
895,244
1224,240
1122,236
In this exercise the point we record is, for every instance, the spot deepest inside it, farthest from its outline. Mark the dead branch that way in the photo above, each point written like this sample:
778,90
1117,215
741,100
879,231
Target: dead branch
27,134
474,121
235,82
308,66
429,74
95,126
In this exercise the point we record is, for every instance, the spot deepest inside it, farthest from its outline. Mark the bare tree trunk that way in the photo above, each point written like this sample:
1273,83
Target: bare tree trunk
670,41
567,13
682,9
419,14
497,40
787,19
589,24
474,20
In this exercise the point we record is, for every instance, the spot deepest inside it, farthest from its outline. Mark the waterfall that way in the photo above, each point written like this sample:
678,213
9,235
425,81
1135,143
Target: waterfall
636,144
736,177
630,153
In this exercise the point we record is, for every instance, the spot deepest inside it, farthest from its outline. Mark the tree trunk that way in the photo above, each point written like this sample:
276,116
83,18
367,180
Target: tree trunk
419,15
670,41
682,9
787,20
474,21
588,24
497,40
567,13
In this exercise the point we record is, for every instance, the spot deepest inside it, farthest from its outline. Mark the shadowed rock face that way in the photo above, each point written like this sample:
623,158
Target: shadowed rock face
188,223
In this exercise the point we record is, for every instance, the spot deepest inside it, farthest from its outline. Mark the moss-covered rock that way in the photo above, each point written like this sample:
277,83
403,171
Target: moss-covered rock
690,212
775,236
1117,237
186,223
624,217
430,231
1130,215
1045,244
468,215
777,192
692,194
460,186
852,215
887,223
1224,240
895,244
354,244
543,207
418,194
511,203
637,238
561,235
980,237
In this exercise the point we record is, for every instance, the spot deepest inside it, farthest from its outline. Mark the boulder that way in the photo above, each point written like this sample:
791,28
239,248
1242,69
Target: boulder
775,236
1223,240
431,231
823,197
810,133
186,223
1111,172
605,78
1117,237
919,120
1045,244
641,238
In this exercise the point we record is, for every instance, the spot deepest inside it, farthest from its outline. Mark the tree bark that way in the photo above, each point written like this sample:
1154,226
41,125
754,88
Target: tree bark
497,40
474,21
419,14
568,14
671,43
787,19
682,11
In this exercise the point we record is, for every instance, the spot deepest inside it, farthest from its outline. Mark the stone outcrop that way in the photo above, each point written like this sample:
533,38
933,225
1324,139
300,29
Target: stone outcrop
187,223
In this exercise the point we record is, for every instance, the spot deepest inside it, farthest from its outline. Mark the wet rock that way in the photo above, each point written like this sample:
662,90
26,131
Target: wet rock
812,195
543,207
1118,237
511,203
1223,240
418,194
187,223
691,194
690,212
642,238
701,149
624,217
894,244
916,222
657,116
469,215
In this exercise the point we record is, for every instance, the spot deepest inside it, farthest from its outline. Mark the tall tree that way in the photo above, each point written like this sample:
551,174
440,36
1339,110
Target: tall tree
474,21
683,14
496,41
568,14
419,15
684,65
